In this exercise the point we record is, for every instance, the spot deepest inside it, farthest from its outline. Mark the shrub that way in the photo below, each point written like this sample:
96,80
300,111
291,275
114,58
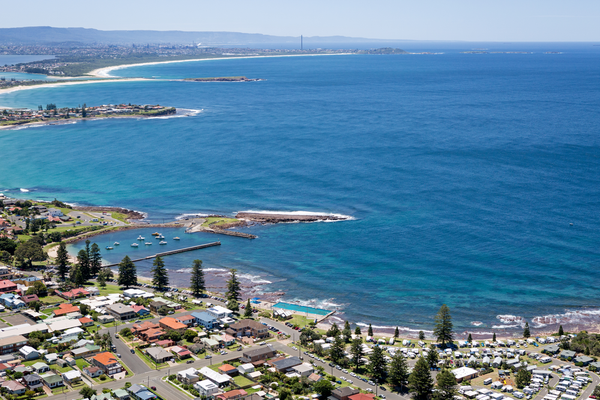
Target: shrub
172,377
103,377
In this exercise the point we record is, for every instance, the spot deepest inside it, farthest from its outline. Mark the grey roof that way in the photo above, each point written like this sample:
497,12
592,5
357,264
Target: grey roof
553,348
345,391
567,353
136,388
120,308
32,378
583,359
287,363
258,352
158,353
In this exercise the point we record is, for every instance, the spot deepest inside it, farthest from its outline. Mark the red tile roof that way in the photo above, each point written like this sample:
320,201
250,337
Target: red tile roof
172,323
6,284
362,396
226,367
105,358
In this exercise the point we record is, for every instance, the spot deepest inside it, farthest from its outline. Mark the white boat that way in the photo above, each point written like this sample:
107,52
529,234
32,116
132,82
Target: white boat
160,237
176,238
148,243
141,238
162,242
134,245
117,243
109,248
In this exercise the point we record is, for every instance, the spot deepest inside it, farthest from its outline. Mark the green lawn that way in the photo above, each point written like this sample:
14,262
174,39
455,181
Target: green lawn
242,381
61,369
60,389
81,363
23,238
216,221
52,300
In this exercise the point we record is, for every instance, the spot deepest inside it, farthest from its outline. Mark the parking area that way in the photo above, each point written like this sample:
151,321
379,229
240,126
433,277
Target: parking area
17,319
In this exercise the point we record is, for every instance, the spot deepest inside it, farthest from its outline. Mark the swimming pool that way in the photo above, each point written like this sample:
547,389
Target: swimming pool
304,309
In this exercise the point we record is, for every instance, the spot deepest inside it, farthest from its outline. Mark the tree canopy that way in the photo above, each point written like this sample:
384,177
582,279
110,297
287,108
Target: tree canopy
197,283
160,277
127,272
420,383
443,326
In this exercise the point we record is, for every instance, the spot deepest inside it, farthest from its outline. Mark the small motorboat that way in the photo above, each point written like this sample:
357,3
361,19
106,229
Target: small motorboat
163,242
176,238
148,243
141,238
155,234
109,248
134,245
160,237
117,243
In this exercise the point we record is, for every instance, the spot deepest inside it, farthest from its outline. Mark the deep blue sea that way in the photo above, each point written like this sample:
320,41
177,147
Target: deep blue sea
473,179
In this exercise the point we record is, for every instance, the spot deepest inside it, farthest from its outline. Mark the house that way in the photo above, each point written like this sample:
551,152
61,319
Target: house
362,396
169,323
85,351
121,311
220,312
102,396
7,286
158,354
73,294
85,321
205,319
181,352
206,388
12,344
196,348
140,392
64,309
188,376
52,380
33,381
286,364
251,356
121,394
232,394
186,319
210,343
248,327
304,369
139,329
584,360
12,301
552,349
165,343
92,372
72,334
246,368
30,298
464,373
152,335
26,281
155,306
314,377
14,387
228,369
133,293
107,362
29,353
103,319
51,358
71,376
217,378
567,354
141,310
40,367
343,393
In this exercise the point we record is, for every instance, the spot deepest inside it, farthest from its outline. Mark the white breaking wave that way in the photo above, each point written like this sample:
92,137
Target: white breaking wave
183,216
513,320
24,190
254,279
505,326
476,323
400,328
570,317
300,213
315,303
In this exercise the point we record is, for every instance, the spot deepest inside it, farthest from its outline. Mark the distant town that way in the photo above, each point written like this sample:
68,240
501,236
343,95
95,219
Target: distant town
49,113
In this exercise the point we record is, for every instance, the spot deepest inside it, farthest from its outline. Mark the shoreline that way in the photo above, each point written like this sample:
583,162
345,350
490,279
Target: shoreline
105,71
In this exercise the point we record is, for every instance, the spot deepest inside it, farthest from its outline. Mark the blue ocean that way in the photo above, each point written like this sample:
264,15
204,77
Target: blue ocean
471,179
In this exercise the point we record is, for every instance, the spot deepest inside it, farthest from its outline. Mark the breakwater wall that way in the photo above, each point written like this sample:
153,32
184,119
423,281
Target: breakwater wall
171,252
229,233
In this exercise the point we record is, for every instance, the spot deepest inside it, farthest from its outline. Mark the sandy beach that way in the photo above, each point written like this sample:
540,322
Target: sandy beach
105,72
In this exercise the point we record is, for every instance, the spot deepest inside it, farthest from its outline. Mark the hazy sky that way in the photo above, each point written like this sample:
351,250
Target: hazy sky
472,20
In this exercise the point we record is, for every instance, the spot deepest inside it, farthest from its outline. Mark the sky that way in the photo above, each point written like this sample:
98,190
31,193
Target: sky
466,20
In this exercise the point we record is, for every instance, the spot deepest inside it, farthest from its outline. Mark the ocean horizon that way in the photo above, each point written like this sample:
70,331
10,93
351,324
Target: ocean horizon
471,179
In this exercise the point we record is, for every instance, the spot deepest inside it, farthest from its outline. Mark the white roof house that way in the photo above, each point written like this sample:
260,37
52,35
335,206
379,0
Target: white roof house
246,368
23,329
206,388
464,373
132,293
64,325
220,312
72,332
71,375
27,350
214,376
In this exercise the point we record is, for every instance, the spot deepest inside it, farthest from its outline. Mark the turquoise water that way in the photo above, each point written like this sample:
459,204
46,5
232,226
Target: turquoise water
463,174
304,309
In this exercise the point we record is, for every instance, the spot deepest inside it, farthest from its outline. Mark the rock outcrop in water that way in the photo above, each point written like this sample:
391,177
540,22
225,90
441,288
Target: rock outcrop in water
283,218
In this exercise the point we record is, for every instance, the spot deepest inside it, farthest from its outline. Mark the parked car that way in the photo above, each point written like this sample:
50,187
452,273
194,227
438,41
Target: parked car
189,361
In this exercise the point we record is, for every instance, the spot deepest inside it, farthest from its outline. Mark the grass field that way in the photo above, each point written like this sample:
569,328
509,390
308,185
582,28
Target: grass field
81,363
216,221
242,381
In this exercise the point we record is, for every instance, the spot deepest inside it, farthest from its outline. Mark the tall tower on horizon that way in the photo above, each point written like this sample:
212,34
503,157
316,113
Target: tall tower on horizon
301,42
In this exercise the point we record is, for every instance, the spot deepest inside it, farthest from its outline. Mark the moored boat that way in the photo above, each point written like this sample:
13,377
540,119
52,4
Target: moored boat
141,238
134,245
148,243
176,238
163,242
117,243
109,248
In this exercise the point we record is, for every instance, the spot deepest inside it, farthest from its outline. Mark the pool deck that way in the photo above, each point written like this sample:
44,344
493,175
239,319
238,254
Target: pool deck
308,314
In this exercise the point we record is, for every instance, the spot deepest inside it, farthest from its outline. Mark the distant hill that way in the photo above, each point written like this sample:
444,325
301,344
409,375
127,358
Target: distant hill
46,35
